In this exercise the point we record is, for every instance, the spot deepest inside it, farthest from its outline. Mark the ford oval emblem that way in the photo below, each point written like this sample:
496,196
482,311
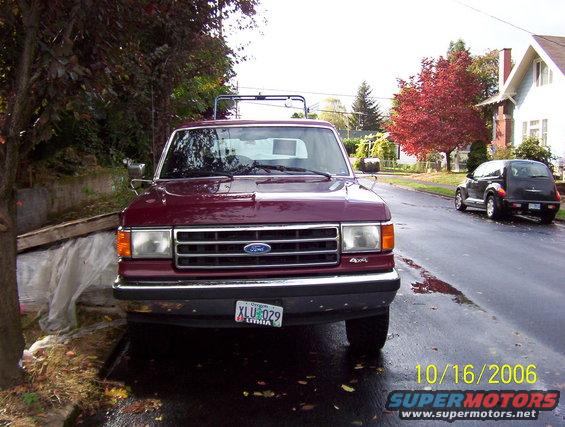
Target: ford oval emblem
257,248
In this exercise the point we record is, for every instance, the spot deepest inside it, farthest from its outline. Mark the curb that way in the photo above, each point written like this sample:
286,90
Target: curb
68,415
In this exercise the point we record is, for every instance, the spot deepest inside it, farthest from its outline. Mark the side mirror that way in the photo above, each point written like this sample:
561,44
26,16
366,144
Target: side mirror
136,170
470,175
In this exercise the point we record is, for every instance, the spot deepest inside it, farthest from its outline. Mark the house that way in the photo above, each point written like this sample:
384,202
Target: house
531,97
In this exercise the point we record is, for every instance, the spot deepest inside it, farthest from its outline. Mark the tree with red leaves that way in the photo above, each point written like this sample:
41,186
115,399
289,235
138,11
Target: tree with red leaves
434,111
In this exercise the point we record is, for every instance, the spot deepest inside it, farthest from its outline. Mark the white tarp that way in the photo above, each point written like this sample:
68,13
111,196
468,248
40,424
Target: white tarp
55,279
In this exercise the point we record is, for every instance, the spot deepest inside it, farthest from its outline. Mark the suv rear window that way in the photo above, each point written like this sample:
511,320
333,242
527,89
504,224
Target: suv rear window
234,150
521,170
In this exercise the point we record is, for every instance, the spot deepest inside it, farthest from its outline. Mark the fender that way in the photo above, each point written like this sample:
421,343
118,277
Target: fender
496,189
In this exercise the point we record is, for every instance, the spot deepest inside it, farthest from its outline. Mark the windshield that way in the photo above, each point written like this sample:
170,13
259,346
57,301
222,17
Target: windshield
529,170
252,151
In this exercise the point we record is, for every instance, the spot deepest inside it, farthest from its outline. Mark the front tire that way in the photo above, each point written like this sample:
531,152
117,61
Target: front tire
494,208
547,218
368,334
459,205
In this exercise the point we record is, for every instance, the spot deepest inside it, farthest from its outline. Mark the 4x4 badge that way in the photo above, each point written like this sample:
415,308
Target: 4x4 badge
358,260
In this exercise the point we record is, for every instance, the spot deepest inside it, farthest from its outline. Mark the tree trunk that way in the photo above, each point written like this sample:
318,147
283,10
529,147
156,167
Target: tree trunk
11,338
448,160
19,107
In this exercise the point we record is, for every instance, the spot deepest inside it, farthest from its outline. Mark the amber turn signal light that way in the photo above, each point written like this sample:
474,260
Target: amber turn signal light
387,237
123,243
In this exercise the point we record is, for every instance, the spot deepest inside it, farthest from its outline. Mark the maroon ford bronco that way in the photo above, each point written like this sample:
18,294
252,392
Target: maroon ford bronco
257,223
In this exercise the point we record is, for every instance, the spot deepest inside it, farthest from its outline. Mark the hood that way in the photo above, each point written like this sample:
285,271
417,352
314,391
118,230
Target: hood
254,200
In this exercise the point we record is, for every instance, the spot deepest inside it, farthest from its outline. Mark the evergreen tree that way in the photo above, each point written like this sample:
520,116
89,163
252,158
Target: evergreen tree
370,116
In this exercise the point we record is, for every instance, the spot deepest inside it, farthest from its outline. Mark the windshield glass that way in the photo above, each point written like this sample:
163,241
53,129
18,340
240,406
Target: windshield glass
529,170
251,150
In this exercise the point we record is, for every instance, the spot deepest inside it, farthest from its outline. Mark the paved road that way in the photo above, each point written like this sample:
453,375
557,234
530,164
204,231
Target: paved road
515,268
294,376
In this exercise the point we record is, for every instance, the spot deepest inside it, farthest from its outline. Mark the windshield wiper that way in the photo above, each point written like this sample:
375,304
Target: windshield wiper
205,173
283,168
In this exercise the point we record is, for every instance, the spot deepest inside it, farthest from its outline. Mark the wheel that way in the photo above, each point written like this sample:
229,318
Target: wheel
547,218
494,208
149,340
369,333
459,205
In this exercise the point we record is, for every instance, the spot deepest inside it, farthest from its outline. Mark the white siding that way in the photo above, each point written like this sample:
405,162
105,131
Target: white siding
542,102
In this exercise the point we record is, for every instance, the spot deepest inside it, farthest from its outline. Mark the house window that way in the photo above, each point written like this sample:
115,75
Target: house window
536,129
543,74
544,132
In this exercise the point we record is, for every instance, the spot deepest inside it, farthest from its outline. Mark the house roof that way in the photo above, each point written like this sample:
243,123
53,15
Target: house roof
550,48
555,48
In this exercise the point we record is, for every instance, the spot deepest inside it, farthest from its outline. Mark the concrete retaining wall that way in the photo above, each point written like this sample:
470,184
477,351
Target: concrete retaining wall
36,204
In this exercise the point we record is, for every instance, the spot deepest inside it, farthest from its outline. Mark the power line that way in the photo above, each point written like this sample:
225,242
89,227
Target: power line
309,109
311,93
506,22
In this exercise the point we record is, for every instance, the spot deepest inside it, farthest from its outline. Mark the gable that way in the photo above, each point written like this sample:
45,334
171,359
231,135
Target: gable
524,66
554,47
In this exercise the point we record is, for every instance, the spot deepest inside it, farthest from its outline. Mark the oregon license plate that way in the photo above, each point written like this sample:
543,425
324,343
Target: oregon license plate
258,313
534,206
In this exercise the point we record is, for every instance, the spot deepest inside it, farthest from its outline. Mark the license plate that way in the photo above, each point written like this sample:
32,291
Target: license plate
534,206
258,313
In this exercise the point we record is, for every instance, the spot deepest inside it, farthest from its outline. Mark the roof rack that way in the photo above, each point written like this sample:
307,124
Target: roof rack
259,98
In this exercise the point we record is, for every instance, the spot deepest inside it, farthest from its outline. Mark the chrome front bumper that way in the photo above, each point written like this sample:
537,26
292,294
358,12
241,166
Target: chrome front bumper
211,303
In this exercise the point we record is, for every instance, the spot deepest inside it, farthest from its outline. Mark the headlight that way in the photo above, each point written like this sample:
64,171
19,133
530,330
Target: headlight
151,244
361,238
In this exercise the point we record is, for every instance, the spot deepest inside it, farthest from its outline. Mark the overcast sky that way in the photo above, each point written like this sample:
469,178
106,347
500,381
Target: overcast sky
331,46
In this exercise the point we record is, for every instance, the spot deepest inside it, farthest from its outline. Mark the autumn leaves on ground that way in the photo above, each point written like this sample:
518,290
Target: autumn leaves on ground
64,374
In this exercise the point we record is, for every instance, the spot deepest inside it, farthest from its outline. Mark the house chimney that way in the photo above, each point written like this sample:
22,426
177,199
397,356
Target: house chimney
504,66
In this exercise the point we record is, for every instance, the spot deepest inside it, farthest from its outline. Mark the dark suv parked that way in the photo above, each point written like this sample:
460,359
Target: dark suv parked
505,187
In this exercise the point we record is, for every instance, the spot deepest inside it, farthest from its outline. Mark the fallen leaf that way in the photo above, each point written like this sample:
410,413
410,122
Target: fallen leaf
302,382
336,407
116,393
310,376
108,318
261,383
70,353
258,394
347,388
356,423
307,407
159,418
245,393
268,393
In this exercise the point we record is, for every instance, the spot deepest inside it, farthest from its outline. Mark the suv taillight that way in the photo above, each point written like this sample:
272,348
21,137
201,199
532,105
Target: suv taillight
501,192
557,195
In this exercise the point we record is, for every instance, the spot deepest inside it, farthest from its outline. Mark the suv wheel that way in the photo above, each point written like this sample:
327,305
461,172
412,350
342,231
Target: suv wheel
547,218
149,340
459,205
494,210
368,334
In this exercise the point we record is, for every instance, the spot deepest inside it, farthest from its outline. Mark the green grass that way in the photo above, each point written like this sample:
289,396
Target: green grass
418,186
561,214
451,178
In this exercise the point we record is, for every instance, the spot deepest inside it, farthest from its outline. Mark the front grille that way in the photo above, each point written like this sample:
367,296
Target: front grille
291,246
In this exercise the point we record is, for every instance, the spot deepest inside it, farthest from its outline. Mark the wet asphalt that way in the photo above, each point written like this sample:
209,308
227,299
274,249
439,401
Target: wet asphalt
473,291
